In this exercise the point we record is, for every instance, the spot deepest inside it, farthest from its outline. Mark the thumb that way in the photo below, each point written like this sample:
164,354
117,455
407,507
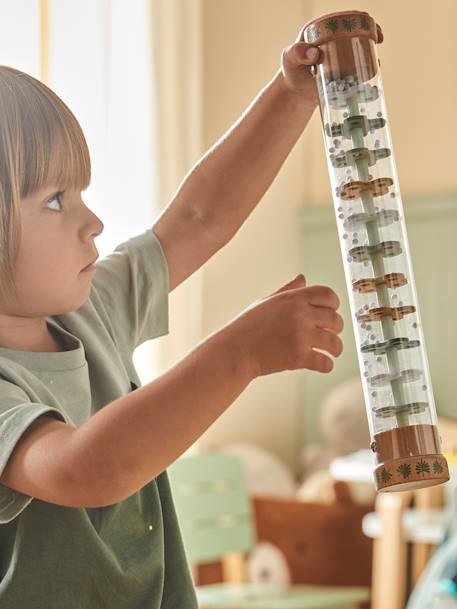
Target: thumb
298,282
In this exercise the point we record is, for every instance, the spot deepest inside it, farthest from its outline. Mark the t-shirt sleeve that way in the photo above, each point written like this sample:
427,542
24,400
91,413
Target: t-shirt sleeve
17,413
132,285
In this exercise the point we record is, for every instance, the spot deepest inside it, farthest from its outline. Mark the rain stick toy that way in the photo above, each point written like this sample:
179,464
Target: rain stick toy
388,331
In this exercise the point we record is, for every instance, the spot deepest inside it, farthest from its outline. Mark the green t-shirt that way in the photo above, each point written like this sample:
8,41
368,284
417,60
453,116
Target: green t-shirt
123,556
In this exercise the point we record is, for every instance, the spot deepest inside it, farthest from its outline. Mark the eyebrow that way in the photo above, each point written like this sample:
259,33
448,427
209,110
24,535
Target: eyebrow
52,191
42,195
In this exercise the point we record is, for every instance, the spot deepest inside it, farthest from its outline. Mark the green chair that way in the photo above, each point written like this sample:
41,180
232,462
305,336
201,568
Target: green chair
215,514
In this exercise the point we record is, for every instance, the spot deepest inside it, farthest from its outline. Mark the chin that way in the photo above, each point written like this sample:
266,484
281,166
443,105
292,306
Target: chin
76,303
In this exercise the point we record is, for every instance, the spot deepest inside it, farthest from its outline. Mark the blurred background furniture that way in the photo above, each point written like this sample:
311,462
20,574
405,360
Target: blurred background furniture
406,527
323,543
217,522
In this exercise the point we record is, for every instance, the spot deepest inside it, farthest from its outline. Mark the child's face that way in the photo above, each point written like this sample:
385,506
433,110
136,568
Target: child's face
58,233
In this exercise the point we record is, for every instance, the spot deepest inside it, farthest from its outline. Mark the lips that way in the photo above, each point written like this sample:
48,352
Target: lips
90,264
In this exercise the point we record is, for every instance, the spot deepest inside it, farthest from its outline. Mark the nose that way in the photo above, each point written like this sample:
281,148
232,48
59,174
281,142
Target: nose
93,226
99,225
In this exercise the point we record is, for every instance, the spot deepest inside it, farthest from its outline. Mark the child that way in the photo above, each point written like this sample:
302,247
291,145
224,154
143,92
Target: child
87,520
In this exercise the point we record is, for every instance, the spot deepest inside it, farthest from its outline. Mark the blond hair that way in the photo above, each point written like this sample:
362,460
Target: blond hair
41,143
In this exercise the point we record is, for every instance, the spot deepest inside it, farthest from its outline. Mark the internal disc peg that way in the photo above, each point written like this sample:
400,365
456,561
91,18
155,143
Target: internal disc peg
345,129
350,157
378,187
384,217
391,411
407,376
391,280
378,313
364,253
356,92
381,348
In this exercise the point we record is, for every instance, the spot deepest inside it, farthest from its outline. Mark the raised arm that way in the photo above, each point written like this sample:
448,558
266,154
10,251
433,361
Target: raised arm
223,188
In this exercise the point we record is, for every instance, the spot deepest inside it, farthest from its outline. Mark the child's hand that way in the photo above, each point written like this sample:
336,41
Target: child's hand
296,61
280,332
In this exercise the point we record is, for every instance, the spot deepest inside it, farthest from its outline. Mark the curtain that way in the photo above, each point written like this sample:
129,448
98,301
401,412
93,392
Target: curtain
177,52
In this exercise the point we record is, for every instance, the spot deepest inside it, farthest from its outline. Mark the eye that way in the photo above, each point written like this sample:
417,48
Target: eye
55,197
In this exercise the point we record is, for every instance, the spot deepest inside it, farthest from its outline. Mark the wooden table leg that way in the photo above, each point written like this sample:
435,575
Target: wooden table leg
390,552
425,499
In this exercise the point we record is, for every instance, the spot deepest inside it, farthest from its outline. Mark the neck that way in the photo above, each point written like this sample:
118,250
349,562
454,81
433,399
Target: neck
31,339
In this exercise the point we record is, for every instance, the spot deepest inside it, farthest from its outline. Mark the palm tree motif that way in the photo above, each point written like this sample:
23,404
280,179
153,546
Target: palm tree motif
422,467
349,24
437,467
314,33
364,23
385,475
405,470
332,25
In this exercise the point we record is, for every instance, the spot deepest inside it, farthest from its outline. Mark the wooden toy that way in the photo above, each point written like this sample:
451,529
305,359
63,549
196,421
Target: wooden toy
374,244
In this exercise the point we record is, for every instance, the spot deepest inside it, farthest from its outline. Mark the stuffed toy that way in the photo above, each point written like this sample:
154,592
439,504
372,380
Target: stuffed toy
266,474
343,426
344,429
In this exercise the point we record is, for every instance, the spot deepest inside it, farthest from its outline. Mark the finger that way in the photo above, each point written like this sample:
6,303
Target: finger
306,53
319,362
327,341
322,296
327,319
300,54
298,282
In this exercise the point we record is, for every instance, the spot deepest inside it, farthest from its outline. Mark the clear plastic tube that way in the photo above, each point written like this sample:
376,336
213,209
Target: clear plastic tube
376,256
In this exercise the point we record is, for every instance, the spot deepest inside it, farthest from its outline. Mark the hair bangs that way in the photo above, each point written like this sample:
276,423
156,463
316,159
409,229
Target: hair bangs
54,149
